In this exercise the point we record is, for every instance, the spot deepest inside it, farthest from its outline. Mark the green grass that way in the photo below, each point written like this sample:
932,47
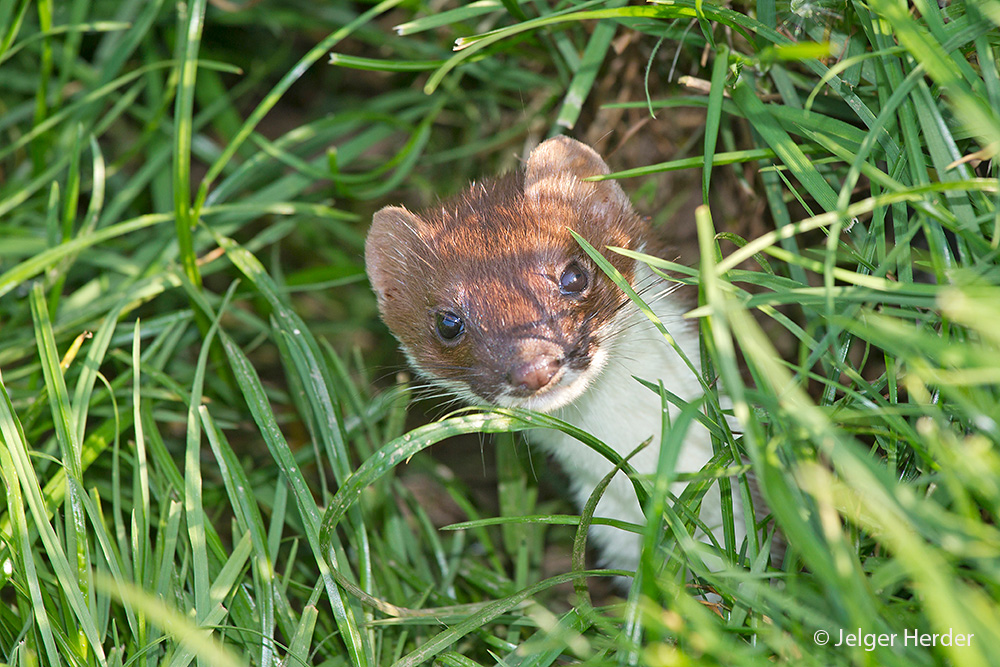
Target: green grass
205,456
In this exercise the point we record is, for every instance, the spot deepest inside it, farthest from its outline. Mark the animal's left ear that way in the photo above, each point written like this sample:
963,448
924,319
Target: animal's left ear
557,167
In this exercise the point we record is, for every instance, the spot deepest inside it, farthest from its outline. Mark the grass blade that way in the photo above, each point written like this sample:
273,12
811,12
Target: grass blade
191,19
586,71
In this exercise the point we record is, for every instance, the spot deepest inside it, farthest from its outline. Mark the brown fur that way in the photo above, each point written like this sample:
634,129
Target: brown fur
494,254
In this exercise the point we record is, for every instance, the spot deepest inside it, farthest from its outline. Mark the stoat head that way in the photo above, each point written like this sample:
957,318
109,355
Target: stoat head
491,297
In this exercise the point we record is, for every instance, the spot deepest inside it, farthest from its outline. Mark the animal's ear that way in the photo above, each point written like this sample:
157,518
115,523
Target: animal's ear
392,242
557,167
563,155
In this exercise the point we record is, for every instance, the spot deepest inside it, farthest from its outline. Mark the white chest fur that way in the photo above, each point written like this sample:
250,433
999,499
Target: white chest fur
623,413
491,300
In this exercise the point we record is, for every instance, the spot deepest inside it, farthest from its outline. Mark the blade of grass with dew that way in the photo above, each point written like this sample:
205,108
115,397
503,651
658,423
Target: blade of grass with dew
453,659
21,554
69,445
401,449
355,639
54,491
250,521
278,520
308,361
17,454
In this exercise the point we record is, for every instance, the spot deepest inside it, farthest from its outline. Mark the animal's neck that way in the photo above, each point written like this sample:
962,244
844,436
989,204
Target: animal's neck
622,413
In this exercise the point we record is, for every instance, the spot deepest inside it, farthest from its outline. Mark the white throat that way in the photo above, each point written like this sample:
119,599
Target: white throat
623,413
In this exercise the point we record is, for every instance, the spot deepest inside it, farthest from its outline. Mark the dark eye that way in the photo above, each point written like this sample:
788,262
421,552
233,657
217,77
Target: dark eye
449,325
573,280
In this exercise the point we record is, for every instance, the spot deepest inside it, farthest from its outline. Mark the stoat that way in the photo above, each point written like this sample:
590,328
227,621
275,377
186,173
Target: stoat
493,300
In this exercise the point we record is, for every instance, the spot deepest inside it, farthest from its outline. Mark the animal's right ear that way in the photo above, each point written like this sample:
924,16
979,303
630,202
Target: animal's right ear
389,248
557,168
560,156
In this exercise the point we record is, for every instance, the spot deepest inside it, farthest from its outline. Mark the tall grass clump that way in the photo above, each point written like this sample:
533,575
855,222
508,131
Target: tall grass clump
204,458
